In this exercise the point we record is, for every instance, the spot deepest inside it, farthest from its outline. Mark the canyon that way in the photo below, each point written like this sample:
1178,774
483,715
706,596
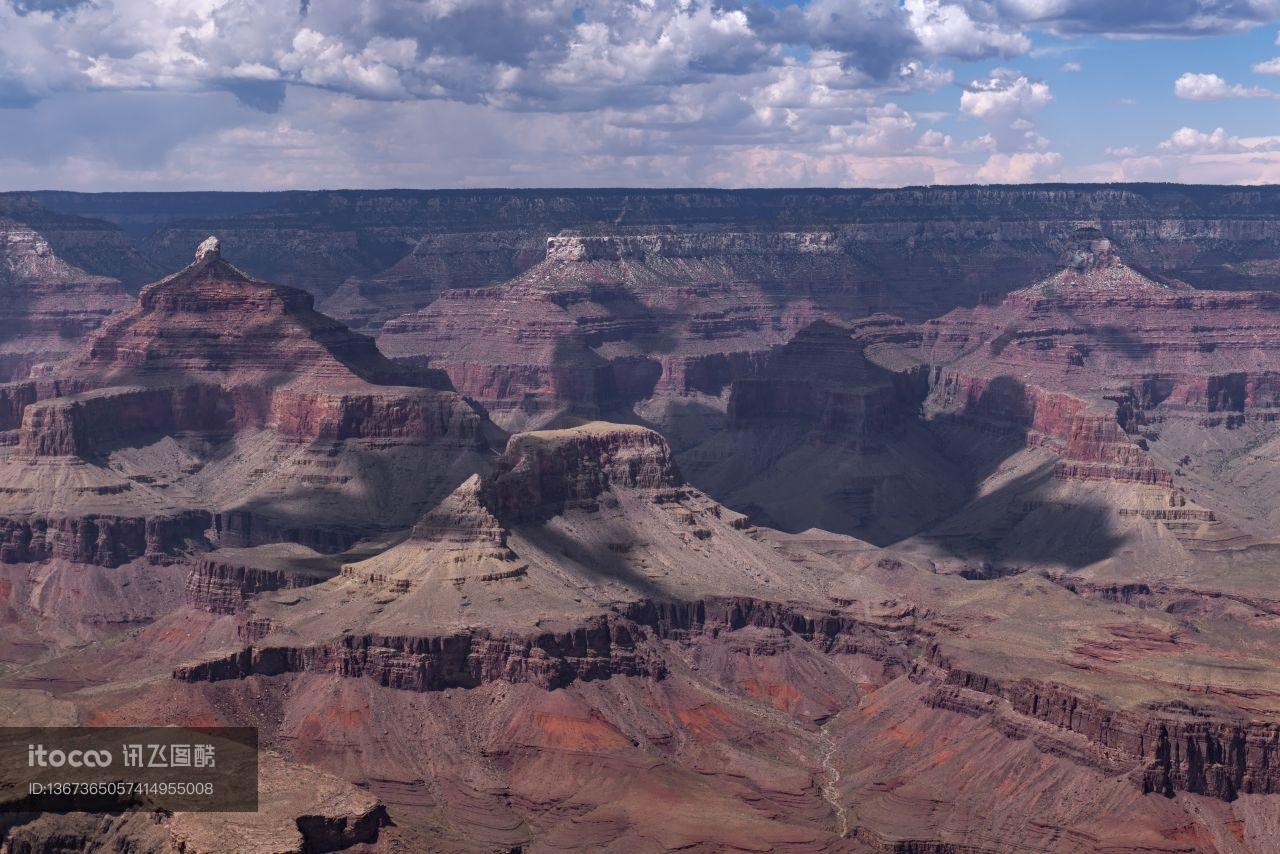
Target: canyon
933,519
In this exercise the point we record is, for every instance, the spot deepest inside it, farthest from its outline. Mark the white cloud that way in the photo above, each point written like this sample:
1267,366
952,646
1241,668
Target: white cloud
1211,87
887,130
374,72
1020,168
1006,95
1270,66
1007,101
1193,156
1071,67
946,29
1189,140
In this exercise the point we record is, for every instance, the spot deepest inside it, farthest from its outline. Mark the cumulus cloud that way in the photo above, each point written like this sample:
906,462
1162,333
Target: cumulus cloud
1007,101
1188,140
948,29
1193,156
1020,168
1270,66
1210,87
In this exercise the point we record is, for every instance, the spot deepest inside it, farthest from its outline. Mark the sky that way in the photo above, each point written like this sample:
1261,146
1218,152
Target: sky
276,94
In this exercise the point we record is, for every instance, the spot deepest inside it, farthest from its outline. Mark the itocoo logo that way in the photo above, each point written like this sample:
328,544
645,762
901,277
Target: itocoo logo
39,757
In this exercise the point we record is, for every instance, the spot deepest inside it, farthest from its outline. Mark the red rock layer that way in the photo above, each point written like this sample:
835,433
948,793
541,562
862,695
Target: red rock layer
1093,443
621,644
1089,354
1172,747
1098,326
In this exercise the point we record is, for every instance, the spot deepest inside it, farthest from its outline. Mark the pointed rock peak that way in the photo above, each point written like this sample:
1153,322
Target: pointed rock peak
208,271
1091,268
457,540
209,250
461,518
1089,249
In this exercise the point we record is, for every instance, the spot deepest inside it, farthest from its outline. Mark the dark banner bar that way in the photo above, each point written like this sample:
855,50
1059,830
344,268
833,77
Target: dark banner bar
109,769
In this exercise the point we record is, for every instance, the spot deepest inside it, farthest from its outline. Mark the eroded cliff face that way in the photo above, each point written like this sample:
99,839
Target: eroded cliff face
101,540
609,320
1183,748
212,351
226,581
606,663
818,435
1097,356
437,263
822,380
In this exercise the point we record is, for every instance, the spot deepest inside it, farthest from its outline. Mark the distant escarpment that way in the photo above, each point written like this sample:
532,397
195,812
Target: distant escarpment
604,321
384,250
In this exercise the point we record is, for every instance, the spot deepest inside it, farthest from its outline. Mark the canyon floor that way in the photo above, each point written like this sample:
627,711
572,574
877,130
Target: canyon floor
671,525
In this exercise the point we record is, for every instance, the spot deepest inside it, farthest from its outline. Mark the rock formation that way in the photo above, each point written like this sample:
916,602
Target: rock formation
232,401
820,436
1124,375
606,320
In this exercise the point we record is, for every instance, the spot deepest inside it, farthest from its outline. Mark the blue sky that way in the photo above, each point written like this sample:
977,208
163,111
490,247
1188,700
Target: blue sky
259,94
